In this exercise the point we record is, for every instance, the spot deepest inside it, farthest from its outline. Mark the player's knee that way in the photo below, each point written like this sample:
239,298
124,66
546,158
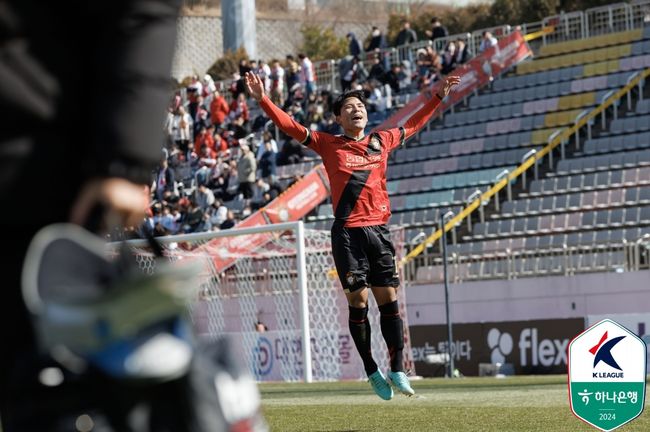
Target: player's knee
358,314
389,310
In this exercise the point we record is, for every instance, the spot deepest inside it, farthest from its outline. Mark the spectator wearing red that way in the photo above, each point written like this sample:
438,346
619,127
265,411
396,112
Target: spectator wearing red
203,138
218,109
239,108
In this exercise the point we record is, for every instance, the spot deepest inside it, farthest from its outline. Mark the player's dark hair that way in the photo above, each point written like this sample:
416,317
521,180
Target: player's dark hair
338,103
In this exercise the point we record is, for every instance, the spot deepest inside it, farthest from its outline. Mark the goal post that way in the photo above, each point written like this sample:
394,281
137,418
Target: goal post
280,275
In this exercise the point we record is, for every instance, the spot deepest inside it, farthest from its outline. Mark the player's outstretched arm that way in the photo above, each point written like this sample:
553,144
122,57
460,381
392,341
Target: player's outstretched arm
255,88
422,116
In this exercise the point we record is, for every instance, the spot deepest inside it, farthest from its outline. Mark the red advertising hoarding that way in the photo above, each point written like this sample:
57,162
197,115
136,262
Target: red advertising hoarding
292,205
300,199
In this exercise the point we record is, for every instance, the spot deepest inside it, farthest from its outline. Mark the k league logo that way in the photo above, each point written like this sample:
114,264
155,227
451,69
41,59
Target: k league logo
602,352
607,372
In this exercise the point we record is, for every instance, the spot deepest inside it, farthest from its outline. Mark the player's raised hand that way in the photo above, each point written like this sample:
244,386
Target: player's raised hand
450,82
254,86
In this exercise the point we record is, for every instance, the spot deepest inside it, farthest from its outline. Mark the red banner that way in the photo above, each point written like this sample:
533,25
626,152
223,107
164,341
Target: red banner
225,251
292,205
476,73
299,199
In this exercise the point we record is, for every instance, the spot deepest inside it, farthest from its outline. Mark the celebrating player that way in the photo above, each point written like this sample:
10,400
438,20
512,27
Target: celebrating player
363,253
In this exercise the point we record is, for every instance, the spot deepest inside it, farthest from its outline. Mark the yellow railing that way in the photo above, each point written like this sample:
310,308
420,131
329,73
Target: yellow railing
538,34
564,135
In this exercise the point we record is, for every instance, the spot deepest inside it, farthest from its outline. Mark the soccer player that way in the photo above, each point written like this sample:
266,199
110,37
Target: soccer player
363,253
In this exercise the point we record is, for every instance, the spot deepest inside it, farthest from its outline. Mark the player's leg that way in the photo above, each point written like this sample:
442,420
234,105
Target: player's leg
352,268
384,281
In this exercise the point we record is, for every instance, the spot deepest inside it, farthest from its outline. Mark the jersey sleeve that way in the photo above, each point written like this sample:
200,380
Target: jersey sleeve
286,124
396,138
291,127
421,116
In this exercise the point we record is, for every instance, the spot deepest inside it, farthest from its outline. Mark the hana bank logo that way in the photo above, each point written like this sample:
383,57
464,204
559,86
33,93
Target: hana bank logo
602,352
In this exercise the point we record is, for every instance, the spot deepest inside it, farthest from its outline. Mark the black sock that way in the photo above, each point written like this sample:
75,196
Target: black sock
360,331
393,332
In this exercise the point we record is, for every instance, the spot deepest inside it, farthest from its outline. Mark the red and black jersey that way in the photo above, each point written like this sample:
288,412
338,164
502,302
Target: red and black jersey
356,168
357,174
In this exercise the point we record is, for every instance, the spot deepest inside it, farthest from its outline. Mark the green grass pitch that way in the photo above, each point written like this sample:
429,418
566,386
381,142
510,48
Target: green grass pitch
522,403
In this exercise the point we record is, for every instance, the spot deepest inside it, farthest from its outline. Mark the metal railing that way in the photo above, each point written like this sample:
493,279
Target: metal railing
636,81
559,28
514,264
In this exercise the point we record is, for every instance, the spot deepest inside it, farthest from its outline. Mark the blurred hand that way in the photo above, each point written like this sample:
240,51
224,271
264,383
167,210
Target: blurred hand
450,82
254,86
123,202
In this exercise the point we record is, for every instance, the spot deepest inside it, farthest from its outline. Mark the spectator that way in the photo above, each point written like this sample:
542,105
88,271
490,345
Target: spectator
393,78
329,124
207,157
407,35
230,221
377,40
291,153
297,113
449,58
307,76
292,77
218,109
405,77
354,47
164,180
204,196
201,117
209,87
220,145
218,213
267,161
259,189
277,83
182,127
488,42
194,218
239,108
266,137
264,72
194,90
376,100
354,71
463,53
437,30
203,138
246,168
377,71
239,128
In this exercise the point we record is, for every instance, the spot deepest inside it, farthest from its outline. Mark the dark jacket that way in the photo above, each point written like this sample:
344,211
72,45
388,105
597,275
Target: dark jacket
406,36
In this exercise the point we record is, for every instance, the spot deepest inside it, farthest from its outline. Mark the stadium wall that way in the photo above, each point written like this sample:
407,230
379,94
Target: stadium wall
200,43
540,298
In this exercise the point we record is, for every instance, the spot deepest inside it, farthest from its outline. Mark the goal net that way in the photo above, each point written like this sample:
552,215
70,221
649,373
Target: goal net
281,303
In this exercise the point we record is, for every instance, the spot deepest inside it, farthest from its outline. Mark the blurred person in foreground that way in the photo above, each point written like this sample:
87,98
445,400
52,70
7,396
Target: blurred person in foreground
363,252
83,91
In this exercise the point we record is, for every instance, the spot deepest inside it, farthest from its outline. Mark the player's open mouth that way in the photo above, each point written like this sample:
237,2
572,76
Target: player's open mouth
357,117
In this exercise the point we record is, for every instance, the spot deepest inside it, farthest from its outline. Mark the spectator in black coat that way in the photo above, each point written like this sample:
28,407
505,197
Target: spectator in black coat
407,35
353,45
377,40
463,53
437,30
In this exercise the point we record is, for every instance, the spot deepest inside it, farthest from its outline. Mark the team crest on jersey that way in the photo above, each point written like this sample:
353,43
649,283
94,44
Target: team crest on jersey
374,144
349,278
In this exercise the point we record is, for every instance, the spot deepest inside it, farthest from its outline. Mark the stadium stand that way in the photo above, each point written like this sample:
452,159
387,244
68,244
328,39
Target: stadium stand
576,217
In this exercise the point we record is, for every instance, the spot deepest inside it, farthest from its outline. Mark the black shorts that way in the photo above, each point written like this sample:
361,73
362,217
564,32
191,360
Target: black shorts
364,256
